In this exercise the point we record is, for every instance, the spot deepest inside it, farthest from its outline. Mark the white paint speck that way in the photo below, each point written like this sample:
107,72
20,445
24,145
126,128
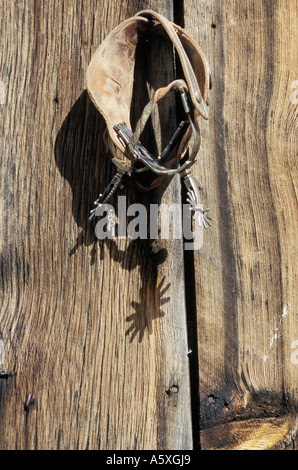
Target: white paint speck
275,335
2,92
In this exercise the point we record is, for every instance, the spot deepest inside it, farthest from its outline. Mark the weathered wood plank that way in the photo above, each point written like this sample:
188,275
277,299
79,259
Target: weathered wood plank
94,335
246,271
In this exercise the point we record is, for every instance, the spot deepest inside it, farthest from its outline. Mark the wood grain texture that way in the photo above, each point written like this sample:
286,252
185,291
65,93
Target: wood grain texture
246,271
93,337
94,334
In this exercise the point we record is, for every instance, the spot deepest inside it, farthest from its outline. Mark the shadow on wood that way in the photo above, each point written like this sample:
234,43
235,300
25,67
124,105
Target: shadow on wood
81,159
84,163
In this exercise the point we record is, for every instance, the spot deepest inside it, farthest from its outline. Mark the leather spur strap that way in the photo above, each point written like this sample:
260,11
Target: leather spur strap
110,83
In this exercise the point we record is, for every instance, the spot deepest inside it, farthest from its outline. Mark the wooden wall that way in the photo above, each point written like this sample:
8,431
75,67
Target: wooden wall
138,344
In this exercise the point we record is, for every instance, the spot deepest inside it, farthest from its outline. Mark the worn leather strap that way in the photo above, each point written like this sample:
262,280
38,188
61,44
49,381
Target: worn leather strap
184,45
110,81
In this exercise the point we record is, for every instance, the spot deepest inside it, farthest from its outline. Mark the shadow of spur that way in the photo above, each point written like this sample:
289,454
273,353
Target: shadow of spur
82,160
